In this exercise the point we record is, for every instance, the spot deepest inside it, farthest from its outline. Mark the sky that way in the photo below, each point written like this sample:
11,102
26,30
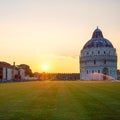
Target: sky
52,32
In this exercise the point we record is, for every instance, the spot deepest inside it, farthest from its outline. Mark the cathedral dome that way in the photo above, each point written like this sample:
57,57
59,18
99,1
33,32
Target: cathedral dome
98,40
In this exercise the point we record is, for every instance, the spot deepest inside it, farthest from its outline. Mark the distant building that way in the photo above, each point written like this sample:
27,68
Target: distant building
5,71
26,68
98,59
19,73
10,72
118,74
57,76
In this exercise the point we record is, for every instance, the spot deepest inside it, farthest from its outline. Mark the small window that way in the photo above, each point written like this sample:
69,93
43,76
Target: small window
92,71
87,53
98,52
104,61
94,62
87,71
92,52
104,52
98,71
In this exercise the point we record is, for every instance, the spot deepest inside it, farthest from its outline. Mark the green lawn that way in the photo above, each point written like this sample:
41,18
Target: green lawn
60,100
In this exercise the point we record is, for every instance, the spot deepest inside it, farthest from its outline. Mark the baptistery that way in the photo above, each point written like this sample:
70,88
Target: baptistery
98,58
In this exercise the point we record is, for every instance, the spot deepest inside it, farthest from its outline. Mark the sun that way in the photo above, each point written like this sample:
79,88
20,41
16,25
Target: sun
44,67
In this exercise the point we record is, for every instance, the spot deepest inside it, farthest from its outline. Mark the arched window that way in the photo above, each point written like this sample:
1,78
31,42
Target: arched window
104,61
94,62
98,71
98,52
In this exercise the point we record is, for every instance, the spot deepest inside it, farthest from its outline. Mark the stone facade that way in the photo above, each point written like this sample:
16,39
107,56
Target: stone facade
98,59
10,72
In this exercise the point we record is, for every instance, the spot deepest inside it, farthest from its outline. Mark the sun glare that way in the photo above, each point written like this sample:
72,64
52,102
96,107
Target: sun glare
44,67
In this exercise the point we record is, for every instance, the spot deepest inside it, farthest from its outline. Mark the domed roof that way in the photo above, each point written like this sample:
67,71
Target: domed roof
98,40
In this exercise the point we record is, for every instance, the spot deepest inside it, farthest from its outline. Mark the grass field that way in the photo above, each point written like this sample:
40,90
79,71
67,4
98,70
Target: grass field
60,100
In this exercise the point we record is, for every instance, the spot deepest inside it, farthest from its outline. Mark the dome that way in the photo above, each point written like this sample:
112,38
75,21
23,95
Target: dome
98,40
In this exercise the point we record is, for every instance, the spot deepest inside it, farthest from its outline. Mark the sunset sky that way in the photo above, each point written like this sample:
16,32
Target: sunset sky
52,32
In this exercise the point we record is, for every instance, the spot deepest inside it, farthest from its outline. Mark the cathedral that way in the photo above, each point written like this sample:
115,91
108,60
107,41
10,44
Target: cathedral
98,58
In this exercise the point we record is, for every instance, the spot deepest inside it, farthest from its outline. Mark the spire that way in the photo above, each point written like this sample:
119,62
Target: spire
97,33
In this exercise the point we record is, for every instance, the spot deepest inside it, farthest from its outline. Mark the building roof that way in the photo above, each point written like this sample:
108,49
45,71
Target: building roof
98,40
5,64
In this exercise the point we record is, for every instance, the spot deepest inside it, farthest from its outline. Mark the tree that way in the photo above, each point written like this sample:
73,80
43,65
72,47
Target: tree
27,69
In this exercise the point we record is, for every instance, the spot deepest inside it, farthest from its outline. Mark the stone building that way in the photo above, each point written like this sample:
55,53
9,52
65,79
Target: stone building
5,71
10,72
98,59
